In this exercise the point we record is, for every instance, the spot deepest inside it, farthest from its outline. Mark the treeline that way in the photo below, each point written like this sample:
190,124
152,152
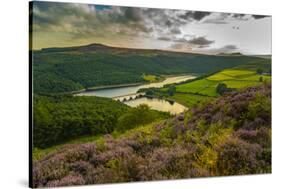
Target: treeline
73,69
59,118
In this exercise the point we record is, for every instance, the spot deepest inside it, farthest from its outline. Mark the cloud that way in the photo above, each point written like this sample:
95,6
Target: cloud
133,13
225,18
65,24
164,38
83,20
228,48
175,31
201,41
223,49
181,47
183,44
195,42
195,15
259,16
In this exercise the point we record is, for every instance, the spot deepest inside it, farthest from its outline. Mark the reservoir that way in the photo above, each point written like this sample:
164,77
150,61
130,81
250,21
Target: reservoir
158,104
154,103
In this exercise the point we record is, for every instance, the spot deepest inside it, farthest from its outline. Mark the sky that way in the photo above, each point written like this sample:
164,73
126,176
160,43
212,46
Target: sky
69,24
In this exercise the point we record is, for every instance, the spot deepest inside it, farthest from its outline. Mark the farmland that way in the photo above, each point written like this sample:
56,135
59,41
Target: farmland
205,88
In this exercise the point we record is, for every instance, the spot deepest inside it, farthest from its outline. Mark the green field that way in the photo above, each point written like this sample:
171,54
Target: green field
233,78
151,78
190,100
192,92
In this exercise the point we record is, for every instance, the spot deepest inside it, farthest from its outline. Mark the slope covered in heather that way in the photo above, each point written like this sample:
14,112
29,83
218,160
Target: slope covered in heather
228,136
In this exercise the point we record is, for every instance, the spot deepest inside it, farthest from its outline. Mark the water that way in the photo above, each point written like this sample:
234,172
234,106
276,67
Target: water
153,103
114,92
158,104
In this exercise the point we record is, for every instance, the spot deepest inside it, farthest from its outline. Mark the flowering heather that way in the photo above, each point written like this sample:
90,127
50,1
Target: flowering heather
229,136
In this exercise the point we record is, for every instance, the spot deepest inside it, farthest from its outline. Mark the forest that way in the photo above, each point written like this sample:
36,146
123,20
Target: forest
60,118
57,70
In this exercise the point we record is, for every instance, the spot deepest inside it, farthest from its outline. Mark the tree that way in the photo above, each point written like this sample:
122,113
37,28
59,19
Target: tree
221,88
171,90
140,115
260,79
259,71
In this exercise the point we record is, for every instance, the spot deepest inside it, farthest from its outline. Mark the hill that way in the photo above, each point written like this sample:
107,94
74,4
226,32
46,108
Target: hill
74,68
192,92
61,118
212,139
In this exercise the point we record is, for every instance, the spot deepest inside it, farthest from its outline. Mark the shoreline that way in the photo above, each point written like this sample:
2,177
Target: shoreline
112,86
125,85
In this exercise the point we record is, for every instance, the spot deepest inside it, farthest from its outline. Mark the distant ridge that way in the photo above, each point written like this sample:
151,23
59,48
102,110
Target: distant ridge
230,54
102,48
66,69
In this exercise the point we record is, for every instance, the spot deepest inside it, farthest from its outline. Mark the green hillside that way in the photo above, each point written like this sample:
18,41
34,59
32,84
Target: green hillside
203,88
74,68
61,118
212,139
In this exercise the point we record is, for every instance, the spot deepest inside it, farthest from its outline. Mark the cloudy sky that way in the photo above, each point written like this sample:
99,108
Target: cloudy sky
68,24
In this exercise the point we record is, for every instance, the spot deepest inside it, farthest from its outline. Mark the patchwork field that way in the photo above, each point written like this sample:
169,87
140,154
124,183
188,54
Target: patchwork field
192,92
233,78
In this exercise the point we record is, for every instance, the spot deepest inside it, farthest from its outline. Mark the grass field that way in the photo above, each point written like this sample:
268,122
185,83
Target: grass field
233,78
151,78
189,100
189,94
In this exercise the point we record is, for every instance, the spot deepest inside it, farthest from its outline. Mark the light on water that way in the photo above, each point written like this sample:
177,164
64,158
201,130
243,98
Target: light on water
114,92
154,103
158,104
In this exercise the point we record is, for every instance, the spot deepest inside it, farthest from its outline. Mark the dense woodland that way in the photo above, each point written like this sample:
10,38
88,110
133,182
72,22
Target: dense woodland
59,118
69,69
228,136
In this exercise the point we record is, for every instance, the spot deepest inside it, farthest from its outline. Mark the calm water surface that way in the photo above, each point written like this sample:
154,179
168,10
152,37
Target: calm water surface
114,92
158,104
154,103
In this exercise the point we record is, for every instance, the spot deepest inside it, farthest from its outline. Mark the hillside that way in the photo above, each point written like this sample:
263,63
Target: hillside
192,92
75,68
61,118
228,136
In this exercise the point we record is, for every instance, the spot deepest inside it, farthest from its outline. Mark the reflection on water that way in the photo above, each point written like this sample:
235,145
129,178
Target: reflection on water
114,92
158,104
154,103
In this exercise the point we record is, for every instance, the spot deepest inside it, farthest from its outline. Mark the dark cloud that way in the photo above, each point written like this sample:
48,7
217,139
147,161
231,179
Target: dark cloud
168,23
175,31
164,38
82,20
259,16
180,40
229,48
212,21
201,41
195,15
134,14
238,15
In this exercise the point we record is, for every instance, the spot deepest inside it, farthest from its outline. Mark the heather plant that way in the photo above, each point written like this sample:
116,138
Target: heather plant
210,141
237,157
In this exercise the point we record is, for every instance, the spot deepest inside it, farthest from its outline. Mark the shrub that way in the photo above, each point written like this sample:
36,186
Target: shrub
140,115
237,157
